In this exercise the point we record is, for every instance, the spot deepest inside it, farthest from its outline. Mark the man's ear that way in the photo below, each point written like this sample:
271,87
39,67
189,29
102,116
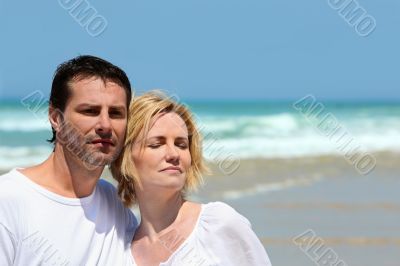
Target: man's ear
55,117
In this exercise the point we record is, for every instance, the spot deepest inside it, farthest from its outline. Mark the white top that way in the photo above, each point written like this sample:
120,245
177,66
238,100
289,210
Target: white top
38,227
221,237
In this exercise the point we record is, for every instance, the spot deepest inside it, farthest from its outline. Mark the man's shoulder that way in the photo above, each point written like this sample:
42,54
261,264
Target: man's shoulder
106,191
6,176
106,188
9,184
12,201
114,204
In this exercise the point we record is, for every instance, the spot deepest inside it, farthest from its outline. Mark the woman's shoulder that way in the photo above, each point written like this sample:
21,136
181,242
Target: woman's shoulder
218,207
228,237
221,214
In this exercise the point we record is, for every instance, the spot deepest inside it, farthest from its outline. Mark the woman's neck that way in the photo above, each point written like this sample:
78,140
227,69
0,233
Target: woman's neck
158,212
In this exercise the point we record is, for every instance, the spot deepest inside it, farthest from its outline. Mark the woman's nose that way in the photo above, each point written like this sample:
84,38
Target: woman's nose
171,153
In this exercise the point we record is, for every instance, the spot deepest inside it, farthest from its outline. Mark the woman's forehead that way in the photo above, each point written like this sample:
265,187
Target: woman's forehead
167,124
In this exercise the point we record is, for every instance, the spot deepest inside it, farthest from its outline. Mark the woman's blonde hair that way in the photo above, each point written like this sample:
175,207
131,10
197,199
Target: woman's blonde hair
142,110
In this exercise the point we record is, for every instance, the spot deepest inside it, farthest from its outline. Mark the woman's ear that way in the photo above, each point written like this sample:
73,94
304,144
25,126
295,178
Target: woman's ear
55,118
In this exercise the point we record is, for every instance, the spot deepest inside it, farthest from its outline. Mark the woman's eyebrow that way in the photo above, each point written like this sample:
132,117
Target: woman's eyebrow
163,137
155,138
182,138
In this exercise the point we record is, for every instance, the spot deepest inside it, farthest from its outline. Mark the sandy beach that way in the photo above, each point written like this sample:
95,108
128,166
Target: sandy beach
356,217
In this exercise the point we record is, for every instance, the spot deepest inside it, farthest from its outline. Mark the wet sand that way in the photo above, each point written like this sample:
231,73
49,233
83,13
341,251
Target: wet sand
356,217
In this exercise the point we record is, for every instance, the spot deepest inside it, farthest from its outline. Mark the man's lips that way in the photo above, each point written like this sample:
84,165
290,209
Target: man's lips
172,168
103,141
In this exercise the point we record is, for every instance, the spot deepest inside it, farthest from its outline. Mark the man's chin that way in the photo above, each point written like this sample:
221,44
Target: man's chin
98,159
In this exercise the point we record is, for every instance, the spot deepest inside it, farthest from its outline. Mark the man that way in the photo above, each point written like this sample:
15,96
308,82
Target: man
59,212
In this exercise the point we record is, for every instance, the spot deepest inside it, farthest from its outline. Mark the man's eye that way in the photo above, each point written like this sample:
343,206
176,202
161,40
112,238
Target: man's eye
116,114
90,111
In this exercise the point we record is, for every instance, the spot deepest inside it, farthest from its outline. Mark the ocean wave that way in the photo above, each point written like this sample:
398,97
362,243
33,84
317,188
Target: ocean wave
24,124
11,157
289,147
267,125
269,187
242,133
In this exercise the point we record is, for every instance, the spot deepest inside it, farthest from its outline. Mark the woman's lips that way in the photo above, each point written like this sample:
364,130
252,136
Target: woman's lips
172,169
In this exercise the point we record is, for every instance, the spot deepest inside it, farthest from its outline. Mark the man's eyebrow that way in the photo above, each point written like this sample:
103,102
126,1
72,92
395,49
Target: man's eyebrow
118,107
83,105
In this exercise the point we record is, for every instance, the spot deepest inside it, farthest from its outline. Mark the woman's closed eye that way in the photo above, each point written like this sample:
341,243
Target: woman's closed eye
182,145
154,145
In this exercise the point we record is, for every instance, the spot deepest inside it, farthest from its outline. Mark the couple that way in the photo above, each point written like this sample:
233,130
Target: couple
60,213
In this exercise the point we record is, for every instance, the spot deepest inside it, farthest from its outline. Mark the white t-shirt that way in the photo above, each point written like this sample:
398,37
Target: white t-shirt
38,227
220,237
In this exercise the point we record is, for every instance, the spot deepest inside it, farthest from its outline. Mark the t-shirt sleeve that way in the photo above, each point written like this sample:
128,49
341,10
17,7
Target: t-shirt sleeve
7,246
131,224
239,238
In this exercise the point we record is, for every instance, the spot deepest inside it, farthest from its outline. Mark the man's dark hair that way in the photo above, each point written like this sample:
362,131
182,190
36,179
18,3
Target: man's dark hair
81,67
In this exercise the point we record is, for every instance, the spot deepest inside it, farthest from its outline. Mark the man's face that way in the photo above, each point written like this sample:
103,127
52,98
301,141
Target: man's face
92,126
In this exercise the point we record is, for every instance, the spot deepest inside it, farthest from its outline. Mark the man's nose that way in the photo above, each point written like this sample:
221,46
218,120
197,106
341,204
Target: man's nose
103,127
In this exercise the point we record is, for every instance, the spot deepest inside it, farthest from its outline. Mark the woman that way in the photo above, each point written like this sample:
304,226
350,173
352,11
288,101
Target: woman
161,162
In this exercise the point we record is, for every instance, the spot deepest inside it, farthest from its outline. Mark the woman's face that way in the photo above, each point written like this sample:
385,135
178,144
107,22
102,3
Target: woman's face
166,158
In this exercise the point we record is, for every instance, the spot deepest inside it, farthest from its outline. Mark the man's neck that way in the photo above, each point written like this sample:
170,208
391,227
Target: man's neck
64,175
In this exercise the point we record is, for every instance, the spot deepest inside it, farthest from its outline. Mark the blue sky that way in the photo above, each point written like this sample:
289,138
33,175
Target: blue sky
269,49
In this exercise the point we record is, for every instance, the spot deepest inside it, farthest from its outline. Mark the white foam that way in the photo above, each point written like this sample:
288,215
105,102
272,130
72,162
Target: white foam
25,125
269,187
250,125
281,135
290,135
11,157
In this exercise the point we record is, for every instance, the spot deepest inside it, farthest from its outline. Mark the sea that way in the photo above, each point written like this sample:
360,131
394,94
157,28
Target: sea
241,129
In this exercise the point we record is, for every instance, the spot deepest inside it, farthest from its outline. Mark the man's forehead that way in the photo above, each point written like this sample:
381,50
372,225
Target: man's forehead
94,88
93,82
